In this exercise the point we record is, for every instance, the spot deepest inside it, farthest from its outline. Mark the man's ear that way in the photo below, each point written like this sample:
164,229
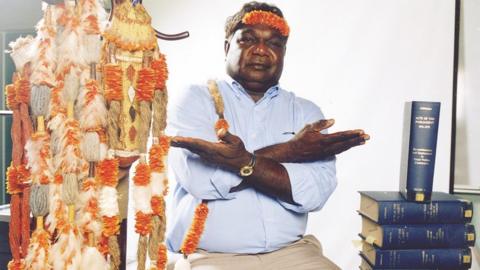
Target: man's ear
226,46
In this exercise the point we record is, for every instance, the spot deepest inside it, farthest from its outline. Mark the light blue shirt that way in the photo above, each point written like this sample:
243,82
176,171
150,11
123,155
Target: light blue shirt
246,221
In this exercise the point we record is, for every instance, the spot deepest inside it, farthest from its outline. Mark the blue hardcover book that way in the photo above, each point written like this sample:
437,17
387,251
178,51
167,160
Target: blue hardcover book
456,258
418,235
389,207
419,148
365,265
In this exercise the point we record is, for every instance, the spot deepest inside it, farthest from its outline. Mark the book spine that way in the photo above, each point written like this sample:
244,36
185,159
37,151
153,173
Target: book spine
423,258
428,236
421,151
425,213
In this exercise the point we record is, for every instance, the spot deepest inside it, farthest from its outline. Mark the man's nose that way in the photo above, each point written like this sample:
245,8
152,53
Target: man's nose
260,49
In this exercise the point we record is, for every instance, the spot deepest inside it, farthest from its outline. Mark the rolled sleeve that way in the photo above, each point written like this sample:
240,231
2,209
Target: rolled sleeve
201,180
311,183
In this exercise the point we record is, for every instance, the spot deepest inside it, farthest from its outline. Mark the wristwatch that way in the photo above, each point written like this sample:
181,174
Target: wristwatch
248,169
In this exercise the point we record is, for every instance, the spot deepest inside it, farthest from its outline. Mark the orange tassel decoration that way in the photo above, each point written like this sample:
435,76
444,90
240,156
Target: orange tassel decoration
10,94
162,257
161,72
143,223
158,205
221,124
156,158
145,84
111,226
107,172
113,82
142,175
190,243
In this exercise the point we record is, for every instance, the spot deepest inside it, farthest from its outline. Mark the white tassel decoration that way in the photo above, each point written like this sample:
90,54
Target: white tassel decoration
108,201
22,51
93,260
66,252
141,197
182,264
157,184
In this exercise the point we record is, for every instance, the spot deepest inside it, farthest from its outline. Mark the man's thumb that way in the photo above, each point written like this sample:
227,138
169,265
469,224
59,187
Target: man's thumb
225,136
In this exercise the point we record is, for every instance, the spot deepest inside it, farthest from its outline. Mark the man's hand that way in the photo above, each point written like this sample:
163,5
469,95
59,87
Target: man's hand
229,152
311,145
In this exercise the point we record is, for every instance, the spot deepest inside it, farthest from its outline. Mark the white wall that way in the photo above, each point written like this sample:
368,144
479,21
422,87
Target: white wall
19,14
360,61
467,155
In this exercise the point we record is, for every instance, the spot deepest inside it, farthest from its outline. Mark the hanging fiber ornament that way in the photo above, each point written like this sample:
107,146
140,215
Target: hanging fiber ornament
159,183
190,243
19,228
14,233
38,148
107,176
92,119
40,165
143,209
129,45
67,249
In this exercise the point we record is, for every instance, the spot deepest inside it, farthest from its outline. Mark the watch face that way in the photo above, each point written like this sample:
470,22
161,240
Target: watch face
246,171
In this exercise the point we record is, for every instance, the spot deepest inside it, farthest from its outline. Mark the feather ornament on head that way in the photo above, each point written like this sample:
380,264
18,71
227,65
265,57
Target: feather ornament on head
267,18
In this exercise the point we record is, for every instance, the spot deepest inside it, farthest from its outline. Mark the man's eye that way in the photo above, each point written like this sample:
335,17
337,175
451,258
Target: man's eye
275,43
248,40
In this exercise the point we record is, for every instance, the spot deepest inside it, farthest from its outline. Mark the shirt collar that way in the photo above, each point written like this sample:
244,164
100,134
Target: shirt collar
238,89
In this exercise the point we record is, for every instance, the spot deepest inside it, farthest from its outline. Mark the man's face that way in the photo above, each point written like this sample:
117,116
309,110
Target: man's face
254,57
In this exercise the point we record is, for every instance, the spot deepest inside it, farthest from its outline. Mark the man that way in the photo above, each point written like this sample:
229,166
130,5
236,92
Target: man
264,175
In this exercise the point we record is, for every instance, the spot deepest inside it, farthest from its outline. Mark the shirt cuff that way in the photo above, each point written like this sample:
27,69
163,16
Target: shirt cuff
310,189
223,181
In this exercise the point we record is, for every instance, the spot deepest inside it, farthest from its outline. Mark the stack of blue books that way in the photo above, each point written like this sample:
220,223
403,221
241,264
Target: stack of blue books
401,234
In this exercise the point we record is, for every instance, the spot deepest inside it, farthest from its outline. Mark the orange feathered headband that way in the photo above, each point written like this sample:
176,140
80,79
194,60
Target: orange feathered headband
267,18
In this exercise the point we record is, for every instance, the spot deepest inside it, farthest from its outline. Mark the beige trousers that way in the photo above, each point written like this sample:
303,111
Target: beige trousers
305,254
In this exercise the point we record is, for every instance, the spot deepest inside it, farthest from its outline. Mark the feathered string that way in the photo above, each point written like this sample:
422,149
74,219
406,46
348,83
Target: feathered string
18,96
158,154
157,160
38,148
191,240
107,175
143,209
39,163
91,226
13,184
23,99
